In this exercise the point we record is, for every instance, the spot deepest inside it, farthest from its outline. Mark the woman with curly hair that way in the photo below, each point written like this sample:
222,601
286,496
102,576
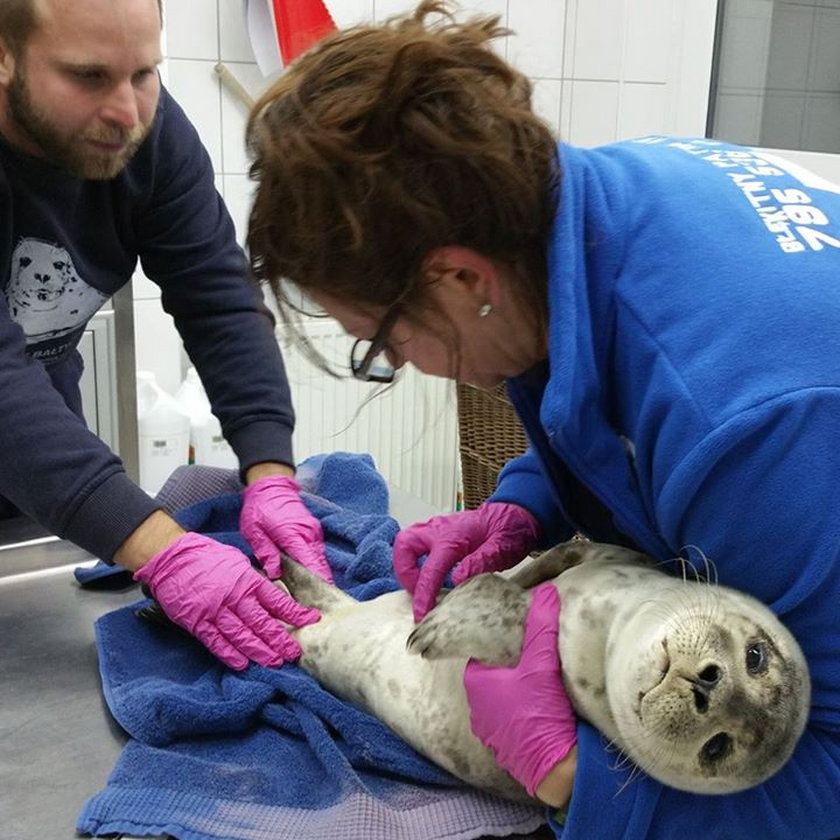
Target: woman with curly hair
665,314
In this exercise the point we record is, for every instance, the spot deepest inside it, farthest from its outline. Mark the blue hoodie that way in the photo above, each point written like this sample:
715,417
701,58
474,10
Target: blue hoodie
692,398
67,245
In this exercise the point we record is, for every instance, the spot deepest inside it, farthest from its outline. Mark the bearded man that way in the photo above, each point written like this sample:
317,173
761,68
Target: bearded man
99,167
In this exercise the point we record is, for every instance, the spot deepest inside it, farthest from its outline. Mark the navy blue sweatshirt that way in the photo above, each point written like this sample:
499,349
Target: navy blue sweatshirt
66,245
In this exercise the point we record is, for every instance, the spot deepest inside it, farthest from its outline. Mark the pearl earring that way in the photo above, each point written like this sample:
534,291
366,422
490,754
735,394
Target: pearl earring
485,310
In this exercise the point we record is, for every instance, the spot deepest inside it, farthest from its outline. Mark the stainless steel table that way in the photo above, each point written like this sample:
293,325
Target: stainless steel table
58,741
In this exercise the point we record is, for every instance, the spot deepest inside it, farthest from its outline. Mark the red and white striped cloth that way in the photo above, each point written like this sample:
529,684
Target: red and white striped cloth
280,30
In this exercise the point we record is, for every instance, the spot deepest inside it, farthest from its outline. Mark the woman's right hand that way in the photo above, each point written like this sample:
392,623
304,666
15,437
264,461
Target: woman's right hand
523,713
490,538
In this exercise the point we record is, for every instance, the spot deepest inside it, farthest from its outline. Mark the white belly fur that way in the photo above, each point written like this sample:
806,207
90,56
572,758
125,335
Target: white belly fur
359,653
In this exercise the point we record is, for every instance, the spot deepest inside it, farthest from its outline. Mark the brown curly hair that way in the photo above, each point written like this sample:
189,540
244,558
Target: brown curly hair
384,142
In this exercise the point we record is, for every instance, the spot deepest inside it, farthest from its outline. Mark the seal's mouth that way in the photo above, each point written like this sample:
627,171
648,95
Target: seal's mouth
662,663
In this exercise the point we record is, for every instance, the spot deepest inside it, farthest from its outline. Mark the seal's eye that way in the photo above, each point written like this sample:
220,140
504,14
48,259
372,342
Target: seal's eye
756,657
716,748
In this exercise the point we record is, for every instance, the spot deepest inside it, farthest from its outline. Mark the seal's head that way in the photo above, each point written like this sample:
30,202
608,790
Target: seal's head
709,691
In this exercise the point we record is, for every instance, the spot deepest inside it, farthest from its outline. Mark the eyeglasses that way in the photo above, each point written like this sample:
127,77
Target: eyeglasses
366,351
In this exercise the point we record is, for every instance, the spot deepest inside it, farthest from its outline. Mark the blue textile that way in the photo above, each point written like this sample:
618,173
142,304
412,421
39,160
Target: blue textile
103,576
265,754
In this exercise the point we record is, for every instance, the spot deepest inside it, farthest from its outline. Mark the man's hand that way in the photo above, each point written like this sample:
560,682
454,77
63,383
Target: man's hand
212,591
275,519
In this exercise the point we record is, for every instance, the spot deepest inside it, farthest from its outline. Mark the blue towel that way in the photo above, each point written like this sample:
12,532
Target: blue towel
266,754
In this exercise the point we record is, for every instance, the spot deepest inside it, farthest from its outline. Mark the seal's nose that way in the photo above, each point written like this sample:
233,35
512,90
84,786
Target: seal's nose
703,684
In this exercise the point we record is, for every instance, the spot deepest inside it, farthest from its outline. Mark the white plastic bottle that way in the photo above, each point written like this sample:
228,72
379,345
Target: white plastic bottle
207,444
163,432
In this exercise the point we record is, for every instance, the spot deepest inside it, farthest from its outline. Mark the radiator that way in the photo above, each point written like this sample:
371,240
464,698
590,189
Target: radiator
410,429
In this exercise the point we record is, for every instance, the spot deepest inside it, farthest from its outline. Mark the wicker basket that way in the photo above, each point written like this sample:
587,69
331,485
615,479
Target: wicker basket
490,435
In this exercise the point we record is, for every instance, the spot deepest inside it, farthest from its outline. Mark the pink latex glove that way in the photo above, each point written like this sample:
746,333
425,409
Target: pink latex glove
211,590
490,538
274,519
523,713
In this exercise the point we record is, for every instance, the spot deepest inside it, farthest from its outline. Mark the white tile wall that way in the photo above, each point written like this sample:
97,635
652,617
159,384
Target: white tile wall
690,75
159,350
597,29
537,47
593,112
196,86
143,288
192,28
602,70
235,114
649,40
233,37
237,191
349,12
547,99
641,106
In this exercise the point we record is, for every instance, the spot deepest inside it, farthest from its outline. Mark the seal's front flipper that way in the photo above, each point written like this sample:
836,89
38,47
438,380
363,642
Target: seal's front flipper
546,566
483,618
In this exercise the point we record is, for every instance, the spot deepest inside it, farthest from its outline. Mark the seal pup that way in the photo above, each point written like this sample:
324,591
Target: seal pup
700,685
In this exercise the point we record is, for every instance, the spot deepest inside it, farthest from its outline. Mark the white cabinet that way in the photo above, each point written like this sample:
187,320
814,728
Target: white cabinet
99,380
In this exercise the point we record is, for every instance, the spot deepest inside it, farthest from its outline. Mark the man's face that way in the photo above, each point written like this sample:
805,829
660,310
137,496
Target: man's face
84,90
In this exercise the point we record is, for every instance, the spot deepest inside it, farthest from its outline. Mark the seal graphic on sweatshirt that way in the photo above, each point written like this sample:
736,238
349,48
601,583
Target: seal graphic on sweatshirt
701,686
45,294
